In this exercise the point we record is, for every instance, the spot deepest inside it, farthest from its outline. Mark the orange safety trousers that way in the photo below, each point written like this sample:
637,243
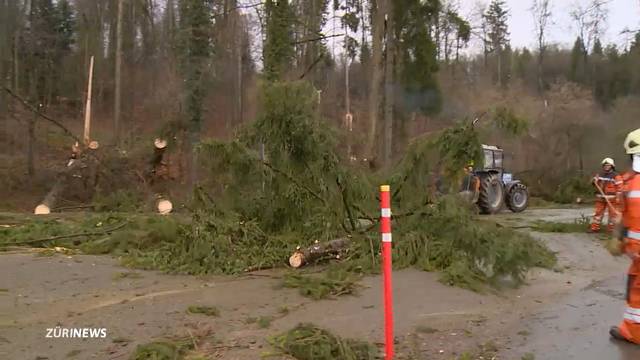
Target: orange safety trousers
601,207
630,326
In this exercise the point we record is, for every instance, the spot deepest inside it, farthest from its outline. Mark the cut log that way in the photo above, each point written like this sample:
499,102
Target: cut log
318,250
159,168
160,143
82,168
50,199
164,206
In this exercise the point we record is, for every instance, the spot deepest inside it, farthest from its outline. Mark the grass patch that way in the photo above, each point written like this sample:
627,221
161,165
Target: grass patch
283,310
177,348
524,333
423,329
528,356
334,282
250,320
309,342
121,340
264,322
578,226
205,310
73,353
161,350
540,203
573,188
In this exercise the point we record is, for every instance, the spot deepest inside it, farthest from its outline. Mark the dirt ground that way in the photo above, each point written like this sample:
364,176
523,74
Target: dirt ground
562,313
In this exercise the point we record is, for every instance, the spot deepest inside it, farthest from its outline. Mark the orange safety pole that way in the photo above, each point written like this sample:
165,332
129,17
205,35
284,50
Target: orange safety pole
385,229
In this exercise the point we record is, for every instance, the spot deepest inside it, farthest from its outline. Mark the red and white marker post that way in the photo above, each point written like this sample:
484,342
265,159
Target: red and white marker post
385,229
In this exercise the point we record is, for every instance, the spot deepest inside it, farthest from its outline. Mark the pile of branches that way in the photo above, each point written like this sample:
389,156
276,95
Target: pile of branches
309,342
281,183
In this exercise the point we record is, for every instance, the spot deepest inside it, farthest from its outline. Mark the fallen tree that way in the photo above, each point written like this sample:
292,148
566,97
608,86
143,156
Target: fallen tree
318,251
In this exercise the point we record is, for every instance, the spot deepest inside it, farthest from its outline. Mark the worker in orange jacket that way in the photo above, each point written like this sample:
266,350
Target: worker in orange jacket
608,185
629,234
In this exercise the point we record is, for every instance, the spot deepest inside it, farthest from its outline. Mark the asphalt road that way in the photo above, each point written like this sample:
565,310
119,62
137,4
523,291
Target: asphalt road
578,327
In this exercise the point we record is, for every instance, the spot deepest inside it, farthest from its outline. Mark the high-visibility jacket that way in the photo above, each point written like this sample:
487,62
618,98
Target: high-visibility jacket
630,326
631,208
611,184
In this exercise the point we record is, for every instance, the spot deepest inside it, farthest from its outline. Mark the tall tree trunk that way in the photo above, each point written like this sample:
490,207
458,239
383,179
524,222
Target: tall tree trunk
118,80
376,77
499,53
388,91
16,67
31,139
238,56
540,82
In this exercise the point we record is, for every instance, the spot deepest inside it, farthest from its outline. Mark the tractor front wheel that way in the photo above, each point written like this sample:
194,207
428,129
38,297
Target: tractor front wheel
491,197
518,198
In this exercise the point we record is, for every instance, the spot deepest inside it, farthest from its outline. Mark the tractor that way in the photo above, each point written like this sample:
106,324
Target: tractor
490,188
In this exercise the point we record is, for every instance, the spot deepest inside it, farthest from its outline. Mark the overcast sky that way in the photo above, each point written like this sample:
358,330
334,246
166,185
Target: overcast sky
621,14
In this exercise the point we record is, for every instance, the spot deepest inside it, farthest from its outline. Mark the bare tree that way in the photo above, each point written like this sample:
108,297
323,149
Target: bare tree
376,73
388,89
590,21
118,76
540,9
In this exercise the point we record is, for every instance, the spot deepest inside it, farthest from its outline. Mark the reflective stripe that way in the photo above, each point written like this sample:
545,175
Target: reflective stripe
386,212
633,311
632,317
634,194
605,179
635,236
607,196
386,237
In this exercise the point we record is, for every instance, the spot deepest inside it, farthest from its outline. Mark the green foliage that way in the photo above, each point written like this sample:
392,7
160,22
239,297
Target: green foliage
195,47
418,54
507,121
158,350
335,282
205,310
496,18
120,200
572,188
308,342
278,48
469,253
264,322
578,226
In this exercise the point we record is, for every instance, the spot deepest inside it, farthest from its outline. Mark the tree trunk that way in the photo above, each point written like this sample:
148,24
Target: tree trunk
118,75
31,139
317,251
376,77
388,92
51,198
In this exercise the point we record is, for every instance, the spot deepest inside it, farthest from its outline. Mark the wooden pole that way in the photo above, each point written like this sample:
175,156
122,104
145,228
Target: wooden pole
87,111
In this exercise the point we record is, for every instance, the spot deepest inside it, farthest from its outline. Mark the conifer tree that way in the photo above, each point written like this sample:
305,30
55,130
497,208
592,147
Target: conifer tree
278,49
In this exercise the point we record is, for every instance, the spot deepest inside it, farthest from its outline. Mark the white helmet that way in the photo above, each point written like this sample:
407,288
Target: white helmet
608,161
632,142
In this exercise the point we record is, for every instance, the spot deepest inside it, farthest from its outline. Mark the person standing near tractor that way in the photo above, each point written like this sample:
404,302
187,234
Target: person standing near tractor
628,232
608,184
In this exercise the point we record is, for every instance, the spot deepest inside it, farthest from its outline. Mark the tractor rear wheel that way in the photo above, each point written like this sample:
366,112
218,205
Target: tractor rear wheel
518,198
491,197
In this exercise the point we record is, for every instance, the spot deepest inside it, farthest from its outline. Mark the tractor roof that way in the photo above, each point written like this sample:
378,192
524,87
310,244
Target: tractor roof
491,147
